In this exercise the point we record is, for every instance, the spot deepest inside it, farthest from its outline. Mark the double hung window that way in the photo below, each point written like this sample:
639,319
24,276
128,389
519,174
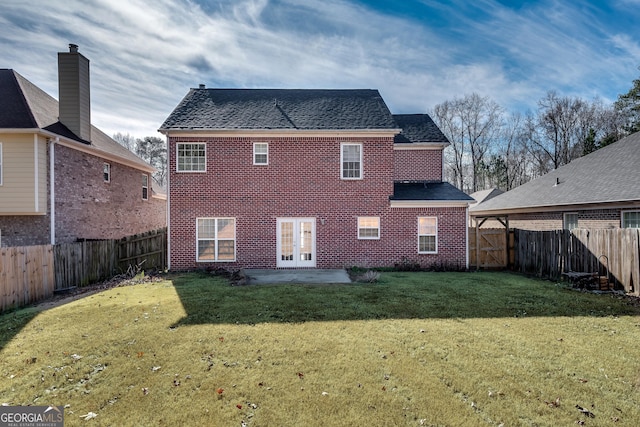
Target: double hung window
368,227
260,153
106,172
145,186
427,235
216,239
351,161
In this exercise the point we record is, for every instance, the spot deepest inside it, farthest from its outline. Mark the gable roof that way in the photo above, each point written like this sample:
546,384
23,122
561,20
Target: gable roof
418,128
608,175
25,106
284,109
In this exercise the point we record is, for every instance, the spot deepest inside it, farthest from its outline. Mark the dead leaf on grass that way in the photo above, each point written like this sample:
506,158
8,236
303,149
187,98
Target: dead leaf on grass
553,404
89,415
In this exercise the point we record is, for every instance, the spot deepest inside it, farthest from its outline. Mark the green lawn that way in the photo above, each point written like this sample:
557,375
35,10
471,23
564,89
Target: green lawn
452,349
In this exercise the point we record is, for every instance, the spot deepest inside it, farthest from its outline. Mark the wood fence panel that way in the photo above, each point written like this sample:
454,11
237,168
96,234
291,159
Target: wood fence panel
611,253
33,273
26,275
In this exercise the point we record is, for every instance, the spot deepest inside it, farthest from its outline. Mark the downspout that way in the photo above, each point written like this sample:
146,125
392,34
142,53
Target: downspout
168,206
52,188
466,210
36,175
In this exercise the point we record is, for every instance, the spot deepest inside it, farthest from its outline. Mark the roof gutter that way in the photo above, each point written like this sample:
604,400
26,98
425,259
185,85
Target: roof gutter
407,204
400,146
278,132
559,208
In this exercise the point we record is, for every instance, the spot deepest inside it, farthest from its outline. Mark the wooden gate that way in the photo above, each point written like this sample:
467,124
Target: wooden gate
488,247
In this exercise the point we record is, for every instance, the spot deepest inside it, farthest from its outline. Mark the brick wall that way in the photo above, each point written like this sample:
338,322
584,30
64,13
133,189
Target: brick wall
542,221
24,230
417,165
302,180
89,208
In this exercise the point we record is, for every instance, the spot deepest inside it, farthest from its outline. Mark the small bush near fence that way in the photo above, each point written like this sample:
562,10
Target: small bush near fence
33,273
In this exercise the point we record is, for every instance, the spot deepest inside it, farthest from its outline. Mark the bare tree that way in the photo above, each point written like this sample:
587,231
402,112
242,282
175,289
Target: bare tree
127,141
446,117
472,125
562,125
512,148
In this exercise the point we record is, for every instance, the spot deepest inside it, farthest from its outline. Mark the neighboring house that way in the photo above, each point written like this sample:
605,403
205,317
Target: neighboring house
62,179
277,178
599,190
484,195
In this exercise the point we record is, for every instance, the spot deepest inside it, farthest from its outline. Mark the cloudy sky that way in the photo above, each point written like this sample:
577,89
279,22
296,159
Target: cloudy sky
146,54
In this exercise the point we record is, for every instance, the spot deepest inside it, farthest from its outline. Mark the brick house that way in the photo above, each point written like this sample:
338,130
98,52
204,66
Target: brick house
277,178
599,190
62,179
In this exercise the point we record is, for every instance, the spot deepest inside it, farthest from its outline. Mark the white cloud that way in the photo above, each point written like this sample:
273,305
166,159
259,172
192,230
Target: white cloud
145,54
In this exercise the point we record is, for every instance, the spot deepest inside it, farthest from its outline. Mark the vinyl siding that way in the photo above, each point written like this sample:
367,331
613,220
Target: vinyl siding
18,190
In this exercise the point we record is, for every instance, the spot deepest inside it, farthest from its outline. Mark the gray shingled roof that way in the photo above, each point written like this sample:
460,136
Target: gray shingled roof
431,191
25,106
608,175
418,128
302,109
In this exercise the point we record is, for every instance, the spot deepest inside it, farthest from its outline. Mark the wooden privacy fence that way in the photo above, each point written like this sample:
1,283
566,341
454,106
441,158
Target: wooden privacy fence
32,273
614,253
26,275
83,263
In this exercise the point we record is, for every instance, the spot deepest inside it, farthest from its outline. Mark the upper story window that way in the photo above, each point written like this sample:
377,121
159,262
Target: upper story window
630,219
260,153
570,221
351,161
191,158
0,163
427,235
368,227
145,186
106,172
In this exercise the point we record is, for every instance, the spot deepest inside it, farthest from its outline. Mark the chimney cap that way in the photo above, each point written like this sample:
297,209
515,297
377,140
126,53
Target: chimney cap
202,86
73,48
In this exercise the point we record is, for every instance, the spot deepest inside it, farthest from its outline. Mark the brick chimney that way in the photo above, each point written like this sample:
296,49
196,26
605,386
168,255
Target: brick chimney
74,94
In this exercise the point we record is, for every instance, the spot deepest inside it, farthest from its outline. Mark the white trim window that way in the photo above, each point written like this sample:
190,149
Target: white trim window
191,157
215,239
106,172
0,163
570,220
145,186
368,227
427,235
630,219
351,161
260,153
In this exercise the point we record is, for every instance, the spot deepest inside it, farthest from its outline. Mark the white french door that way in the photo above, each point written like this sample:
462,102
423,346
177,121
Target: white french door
296,242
